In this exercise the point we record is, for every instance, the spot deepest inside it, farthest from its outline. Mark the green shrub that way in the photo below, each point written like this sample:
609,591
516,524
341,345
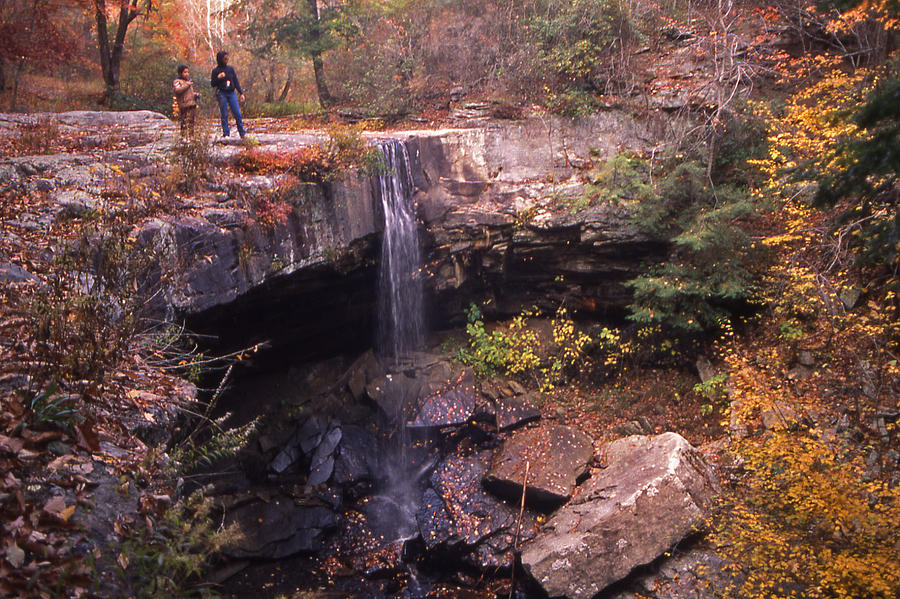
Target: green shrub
519,349
621,180
222,444
868,173
572,102
88,314
147,74
705,274
582,44
166,556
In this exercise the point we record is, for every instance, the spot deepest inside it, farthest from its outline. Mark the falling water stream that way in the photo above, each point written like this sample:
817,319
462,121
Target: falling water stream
401,458
401,329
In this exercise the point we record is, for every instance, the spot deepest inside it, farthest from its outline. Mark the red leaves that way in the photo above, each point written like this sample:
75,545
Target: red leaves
30,31
311,163
271,212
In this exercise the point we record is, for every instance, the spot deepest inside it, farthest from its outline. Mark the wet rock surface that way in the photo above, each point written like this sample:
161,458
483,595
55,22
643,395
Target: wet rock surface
458,516
452,404
556,458
509,405
511,412
393,392
655,492
278,528
376,509
356,463
369,540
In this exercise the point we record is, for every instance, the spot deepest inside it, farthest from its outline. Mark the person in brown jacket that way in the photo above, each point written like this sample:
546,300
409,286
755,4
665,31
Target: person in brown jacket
186,98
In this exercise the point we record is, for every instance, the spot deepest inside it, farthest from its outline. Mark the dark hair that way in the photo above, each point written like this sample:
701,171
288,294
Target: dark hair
220,57
180,69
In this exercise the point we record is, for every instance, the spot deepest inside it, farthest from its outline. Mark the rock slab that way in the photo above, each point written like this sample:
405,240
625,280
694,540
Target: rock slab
278,528
458,515
451,405
655,492
557,456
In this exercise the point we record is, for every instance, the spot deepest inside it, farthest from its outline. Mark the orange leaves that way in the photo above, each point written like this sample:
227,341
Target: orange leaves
260,162
310,163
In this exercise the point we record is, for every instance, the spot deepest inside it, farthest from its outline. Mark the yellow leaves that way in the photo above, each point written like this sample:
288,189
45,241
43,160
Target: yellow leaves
776,240
804,512
814,122
522,348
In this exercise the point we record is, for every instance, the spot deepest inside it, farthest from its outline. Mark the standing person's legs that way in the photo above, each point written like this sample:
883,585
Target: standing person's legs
236,111
223,101
182,120
189,119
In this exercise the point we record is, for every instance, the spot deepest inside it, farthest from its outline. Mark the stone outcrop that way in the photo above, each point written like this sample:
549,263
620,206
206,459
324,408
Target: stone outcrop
556,457
655,492
498,205
496,202
451,405
277,528
510,412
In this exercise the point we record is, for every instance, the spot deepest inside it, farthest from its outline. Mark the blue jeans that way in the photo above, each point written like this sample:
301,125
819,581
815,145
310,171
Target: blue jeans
228,100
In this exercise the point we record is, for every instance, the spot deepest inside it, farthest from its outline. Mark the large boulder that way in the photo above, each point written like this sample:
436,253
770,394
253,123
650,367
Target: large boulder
655,492
394,393
556,458
459,516
451,405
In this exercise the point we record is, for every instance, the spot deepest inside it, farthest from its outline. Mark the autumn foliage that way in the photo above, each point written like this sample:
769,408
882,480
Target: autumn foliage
344,149
813,508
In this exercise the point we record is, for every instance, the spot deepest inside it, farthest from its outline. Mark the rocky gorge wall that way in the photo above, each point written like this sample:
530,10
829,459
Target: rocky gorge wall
494,203
497,207
497,201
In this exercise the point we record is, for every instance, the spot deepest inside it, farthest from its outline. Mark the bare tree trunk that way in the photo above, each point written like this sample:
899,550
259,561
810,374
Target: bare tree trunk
270,83
111,55
126,16
287,86
325,99
15,89
21,65
103,40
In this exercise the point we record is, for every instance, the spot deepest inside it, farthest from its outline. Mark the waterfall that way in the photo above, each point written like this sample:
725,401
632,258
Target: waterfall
401,331
401,321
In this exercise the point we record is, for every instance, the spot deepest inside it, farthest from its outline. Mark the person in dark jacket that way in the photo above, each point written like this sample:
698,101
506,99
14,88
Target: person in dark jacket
227,86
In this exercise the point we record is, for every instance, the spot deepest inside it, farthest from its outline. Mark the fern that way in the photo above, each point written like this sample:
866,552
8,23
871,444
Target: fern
223,445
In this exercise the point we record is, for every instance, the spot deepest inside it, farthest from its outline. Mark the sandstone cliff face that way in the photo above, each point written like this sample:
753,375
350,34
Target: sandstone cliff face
501,222
506,221
499,204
